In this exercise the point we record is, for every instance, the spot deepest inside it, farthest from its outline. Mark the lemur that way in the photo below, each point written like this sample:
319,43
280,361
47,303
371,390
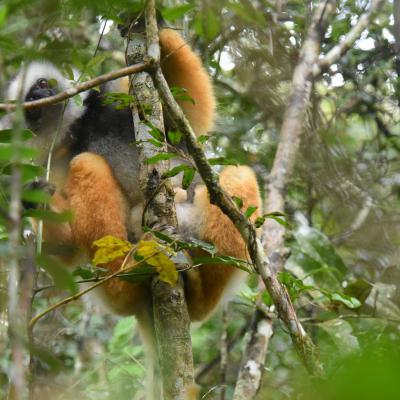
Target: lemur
95,168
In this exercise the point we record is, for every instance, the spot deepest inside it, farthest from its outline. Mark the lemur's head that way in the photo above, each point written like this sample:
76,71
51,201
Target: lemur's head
39,80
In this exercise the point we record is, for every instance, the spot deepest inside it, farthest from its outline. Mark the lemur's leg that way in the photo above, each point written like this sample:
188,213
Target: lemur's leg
206,284
183,68
100,209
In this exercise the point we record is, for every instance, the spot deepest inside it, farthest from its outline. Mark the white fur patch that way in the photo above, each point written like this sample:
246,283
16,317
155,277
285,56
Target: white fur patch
28,76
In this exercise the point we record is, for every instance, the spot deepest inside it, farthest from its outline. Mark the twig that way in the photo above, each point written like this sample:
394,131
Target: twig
80,87
337,52
76,296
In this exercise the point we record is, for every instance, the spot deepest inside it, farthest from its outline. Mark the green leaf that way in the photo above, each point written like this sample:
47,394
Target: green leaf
154,131
181,94
6,135
9,152
62,278
225,260
202,245
315,244
175,137
348,301
155,143
176,13
203,138
119,100
340,332
29,171
188,176
176,170
36,196
85,272
238,201
276,216
160,157
47,215
206,24
3,14
266,298
250,211
122,335
294,285
222,161
359,288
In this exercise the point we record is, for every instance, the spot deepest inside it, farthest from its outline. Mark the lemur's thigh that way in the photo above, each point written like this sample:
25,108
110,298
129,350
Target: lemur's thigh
206,284
96,200
100,209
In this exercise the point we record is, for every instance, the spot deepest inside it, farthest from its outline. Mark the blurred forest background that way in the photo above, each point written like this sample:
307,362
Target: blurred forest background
342,204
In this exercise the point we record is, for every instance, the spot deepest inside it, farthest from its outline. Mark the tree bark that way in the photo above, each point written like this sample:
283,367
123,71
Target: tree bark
171,317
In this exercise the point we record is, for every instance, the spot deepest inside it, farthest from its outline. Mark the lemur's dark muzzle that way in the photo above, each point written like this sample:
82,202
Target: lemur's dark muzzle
37,93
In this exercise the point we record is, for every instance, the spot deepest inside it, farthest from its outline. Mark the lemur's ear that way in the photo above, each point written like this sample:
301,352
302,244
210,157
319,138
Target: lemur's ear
135,22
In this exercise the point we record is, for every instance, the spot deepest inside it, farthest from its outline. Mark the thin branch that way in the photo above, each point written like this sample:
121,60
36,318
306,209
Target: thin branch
80,87
76,296
282,169
359,220
224,351
252,366
337,52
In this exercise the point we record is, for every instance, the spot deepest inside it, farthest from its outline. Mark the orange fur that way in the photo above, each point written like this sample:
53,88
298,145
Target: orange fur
183,68
207,284
101,209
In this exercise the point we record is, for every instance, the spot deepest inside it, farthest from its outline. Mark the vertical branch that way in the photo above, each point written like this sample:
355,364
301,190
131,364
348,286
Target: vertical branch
224,351
250,374
16,326
282,169
290,135
396,32
171,317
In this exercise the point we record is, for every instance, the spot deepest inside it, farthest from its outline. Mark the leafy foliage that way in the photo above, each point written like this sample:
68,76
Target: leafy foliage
341,217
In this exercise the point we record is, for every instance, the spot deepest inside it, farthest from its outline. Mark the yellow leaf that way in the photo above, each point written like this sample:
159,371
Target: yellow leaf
147,248
110,248
154,254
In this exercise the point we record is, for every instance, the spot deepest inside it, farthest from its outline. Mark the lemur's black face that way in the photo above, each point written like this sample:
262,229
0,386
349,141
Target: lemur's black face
41,89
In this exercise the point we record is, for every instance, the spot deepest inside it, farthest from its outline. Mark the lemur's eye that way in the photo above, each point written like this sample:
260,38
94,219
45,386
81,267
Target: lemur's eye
43,83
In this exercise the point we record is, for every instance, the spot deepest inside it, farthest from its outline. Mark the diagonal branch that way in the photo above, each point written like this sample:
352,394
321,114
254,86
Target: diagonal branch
302,88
